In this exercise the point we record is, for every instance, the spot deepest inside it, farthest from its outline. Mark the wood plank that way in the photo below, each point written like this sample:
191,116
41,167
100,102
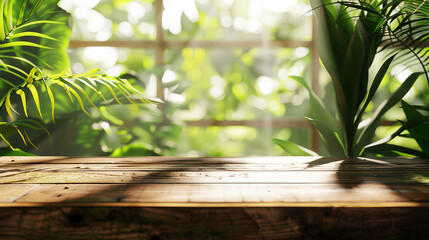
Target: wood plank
216,160
213,223
226,177
315,195
214,182
177,160
209,167
11,192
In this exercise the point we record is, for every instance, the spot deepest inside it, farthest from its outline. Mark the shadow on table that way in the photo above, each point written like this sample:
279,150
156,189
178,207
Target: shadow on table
391,172
110,222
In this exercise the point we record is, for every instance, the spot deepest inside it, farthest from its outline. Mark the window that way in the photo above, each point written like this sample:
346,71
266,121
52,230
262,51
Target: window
221,66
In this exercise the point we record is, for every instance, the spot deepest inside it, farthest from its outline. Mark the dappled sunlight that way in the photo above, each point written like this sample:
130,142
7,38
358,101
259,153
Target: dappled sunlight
173,11
270,180
107,56
220,113
217,60
199,83
102,21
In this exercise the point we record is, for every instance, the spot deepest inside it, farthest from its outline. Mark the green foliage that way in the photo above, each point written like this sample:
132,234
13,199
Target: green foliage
234,72
34,36
14,152
347,46
417,126
403,25
133,150
325,122
293,149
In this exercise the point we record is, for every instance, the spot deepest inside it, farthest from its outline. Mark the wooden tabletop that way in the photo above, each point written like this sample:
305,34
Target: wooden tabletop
214,182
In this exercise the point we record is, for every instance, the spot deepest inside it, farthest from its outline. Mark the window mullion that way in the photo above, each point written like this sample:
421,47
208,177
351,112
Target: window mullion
315,68
159,46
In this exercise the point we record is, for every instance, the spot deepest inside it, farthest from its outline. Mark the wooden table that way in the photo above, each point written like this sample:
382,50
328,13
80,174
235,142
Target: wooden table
213,198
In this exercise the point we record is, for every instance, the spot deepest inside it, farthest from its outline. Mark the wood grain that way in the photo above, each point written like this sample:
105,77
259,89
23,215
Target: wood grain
169,181
213,198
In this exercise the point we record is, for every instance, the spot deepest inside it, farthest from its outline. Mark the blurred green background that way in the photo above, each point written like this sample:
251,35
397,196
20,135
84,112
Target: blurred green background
207,75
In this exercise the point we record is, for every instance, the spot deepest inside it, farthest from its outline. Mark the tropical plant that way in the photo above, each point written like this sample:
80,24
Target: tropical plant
404,28
349,36
35,82
415,127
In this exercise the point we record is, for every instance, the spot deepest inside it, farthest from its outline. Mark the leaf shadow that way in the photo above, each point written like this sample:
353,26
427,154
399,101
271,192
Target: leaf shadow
391,172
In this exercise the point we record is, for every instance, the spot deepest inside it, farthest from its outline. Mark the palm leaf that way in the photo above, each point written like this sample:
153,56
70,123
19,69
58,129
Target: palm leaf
52,99
28,24
31,34
405,25
23,100
21,12
18,126
33,42
2,30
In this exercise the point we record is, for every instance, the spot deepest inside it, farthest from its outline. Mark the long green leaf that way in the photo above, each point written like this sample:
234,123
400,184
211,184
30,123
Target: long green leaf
35,94
389,149
369,130
2,30
82,92
78,99
34,9
66,88
9,15
4,139
420,133
109,88
21,135
14,152
125,92
332,140
375,84
24,123
31,34
28,123
29,54
87,74
91,87
9,107
18,58
17,69
52,99
29,140
21,12
7,82
23,44
319,111
21,93
293,149
324,121
37,22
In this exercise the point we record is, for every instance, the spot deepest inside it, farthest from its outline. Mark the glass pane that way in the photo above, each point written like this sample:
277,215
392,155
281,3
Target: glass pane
236,20
237,84
103,20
